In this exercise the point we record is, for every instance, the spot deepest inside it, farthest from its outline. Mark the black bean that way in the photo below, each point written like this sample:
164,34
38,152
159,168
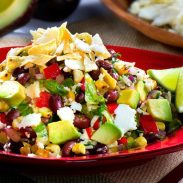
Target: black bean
114,74
67,148
105,64
80,98
111,95
81,121
15,147
13,114
23,78
99,149
55,102
95,74
52,61
27,132
18,71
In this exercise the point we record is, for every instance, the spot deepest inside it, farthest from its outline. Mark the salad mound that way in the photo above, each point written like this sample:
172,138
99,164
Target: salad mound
68,95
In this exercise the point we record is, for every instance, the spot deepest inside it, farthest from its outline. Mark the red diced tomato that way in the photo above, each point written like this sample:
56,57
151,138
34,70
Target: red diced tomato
123,140
3,118
96,124
83,84
112,107
89,132
43,100
52,71
148,124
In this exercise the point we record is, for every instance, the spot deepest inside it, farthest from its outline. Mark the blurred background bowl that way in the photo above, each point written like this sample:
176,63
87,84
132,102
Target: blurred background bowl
55,10
120,8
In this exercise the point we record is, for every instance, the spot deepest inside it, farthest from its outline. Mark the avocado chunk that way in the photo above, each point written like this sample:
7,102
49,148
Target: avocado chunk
42,133
159,109
129,97
13,92
140,87
107,134
15,13
179,94
166,77
61,132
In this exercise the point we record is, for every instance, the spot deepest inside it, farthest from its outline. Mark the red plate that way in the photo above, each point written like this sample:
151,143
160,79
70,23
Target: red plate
145,60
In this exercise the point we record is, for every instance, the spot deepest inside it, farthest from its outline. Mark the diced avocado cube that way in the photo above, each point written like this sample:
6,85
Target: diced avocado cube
129,97
159,109
140,87
107,134
61,132
13,92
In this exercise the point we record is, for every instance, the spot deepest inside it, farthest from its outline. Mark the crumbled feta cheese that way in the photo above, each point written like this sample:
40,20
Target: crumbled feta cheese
30,120
66,113
31,155
125,118
75,106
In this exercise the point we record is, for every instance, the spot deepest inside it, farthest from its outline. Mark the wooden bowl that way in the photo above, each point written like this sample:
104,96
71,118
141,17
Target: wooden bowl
120,8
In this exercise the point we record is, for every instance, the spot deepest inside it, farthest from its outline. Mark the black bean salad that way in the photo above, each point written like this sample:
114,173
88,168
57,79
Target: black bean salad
68,95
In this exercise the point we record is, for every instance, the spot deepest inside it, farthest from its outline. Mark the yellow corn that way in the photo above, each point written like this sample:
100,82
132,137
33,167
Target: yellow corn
160,125
109,79
141,141
5,75
101,85
45,112
120,68
16,122
71,95
42,153
54,149
79,148
3,137
3,106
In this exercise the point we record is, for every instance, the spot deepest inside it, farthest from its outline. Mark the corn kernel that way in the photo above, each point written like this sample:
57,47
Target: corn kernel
101,85
79,148
42,153
34,148
54,149
25,150
45,112
3,106
141,141
161,126
3,137
120,68
16,122
5,75
71,95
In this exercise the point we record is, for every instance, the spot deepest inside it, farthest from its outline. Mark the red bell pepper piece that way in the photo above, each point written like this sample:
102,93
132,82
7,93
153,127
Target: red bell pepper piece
83,85
148,124
89,132
3,118
52,71
112,107
123,140
43,100
96,124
